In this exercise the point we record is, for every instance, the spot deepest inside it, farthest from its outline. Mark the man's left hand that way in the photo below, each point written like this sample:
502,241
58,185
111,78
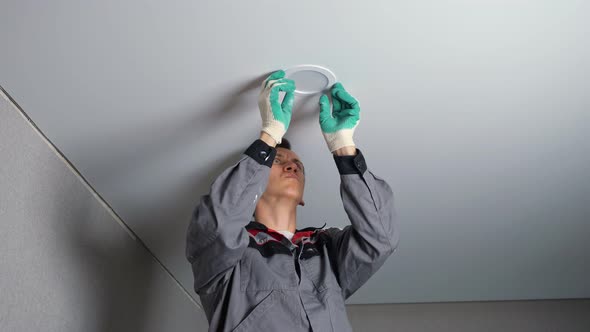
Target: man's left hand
339,124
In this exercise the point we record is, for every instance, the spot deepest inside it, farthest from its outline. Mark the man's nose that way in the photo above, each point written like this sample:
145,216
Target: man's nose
292,166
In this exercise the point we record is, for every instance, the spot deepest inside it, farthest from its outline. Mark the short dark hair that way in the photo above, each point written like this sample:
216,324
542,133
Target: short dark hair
284,144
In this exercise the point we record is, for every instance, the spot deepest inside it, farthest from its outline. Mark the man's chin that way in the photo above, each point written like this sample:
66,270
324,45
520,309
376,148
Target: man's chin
296,198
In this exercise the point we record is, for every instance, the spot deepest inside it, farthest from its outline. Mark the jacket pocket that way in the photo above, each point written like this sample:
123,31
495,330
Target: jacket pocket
256,315
319,270
258,273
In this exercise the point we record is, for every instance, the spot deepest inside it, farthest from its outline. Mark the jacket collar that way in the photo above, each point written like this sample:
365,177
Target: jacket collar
257,225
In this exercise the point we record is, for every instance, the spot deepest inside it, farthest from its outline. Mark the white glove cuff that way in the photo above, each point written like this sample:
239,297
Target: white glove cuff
275,129
339,139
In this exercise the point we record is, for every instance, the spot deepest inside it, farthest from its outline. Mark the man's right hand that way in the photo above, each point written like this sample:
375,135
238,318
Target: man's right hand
276,116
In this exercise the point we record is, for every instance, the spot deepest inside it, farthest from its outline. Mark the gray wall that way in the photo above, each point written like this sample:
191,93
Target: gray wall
67,265
505,316
65,262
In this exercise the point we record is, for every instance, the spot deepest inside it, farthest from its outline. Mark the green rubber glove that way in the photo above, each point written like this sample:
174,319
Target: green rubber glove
338,125
276,116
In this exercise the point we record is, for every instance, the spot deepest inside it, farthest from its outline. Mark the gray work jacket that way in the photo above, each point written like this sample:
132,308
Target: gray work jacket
252,278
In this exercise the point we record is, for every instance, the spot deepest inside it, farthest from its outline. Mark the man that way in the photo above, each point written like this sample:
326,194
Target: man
267,275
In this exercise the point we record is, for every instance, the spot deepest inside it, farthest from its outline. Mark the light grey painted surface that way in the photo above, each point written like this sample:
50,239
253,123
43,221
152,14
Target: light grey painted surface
67,266
475,112
65,263
504,316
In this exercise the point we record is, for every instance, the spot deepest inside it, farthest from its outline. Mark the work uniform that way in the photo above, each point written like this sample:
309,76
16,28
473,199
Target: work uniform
252,278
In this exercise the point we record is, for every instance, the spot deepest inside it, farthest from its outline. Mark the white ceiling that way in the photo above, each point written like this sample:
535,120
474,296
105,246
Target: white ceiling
476,113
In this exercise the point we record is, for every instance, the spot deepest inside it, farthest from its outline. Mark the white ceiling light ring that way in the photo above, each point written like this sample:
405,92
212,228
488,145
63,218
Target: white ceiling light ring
311,79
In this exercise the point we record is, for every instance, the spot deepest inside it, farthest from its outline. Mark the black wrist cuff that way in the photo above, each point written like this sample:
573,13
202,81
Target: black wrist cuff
351,164
263,153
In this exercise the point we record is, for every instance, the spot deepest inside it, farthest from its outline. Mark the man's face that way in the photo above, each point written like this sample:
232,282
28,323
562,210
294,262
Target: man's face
287,176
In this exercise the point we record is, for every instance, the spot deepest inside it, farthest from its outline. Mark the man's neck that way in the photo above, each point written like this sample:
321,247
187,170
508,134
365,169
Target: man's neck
279,214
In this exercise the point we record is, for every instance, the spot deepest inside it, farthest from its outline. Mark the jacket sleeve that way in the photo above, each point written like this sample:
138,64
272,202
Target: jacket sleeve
361,248
216,237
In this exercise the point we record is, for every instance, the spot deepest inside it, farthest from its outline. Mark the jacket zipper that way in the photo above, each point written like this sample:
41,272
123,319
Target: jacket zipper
296,257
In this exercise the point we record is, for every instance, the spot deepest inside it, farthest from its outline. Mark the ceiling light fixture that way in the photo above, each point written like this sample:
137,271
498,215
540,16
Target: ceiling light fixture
311,79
